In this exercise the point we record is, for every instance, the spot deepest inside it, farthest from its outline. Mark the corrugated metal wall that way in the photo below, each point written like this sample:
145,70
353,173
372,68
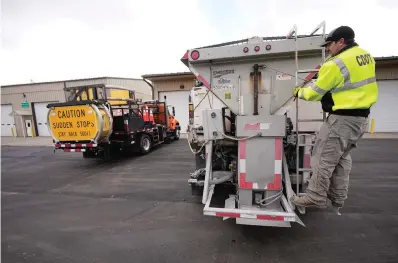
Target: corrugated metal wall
172,85
387,72
54,92
33,93
82,82
142,89
40,92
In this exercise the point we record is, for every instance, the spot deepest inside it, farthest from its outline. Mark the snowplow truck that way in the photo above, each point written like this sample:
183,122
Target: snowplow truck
251,153
103,120
160,113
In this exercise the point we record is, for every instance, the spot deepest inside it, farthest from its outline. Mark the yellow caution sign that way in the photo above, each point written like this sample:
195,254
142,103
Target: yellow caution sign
74,123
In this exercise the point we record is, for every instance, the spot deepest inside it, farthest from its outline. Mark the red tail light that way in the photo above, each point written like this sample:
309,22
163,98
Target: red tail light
257,48
195,55
246,49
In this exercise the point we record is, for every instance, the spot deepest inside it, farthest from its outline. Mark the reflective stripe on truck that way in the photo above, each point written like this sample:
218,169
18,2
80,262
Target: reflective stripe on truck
76,145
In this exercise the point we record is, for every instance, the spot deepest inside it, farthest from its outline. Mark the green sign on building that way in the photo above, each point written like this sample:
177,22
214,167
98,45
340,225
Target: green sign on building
25,104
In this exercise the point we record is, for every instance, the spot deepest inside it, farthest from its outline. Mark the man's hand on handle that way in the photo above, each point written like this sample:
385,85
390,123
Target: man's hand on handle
296,91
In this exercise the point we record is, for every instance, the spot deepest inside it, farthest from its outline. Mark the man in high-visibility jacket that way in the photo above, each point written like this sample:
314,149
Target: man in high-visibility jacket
347,88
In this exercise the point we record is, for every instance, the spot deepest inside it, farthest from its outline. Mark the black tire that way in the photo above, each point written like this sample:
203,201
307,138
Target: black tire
107,153
145,144
88,154
177,133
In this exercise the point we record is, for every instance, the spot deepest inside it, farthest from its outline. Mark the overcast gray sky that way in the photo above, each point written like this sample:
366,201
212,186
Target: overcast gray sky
46,40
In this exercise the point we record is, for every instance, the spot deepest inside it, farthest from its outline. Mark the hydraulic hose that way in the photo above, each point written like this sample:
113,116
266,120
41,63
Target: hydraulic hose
221,179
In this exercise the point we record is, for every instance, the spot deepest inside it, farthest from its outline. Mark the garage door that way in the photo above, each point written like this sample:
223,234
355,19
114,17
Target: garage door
179,99
41,111
7,121
384,112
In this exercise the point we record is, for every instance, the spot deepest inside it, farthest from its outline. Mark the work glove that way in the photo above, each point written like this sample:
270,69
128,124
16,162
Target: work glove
296,91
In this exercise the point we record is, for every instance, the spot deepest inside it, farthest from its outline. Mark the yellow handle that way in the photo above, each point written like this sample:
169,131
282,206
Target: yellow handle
372,126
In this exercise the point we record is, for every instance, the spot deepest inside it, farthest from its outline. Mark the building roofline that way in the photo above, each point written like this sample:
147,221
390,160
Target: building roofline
386,58
62,81
162,75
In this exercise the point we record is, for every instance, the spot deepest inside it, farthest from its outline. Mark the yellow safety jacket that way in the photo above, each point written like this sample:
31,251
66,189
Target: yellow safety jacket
346,83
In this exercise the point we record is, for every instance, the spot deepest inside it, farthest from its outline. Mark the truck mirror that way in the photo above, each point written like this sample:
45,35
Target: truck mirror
174,112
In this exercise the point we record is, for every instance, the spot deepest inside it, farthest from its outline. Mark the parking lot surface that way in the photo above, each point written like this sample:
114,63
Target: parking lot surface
59,207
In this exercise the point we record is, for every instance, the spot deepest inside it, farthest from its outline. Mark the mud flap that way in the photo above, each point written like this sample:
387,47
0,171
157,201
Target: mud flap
229,204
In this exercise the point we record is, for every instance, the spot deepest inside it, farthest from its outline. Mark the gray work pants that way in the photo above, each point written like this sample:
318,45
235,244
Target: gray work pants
331,160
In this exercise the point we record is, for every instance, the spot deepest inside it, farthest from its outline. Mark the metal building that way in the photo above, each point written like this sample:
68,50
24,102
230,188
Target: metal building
384,112
23,106
175,88
383,117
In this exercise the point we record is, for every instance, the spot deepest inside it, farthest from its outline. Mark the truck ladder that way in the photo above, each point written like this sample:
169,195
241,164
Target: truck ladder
305,139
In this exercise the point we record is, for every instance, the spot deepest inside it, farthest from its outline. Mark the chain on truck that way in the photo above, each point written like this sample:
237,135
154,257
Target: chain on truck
101,120
251,143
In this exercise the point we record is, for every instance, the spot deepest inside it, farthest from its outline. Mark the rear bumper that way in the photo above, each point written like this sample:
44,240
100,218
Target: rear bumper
274,218
74,147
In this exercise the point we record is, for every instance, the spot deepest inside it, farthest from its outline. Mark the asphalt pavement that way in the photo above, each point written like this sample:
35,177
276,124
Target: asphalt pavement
59,207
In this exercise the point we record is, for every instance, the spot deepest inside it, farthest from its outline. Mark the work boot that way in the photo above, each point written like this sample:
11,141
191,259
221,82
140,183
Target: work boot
335,207
304,201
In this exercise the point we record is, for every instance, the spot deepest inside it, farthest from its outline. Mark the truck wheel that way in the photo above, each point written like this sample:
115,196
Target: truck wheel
176,134
88,154
107,153
145,144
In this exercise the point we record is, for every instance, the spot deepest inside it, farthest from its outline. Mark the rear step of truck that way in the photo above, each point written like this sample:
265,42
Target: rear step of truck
254,215
251,215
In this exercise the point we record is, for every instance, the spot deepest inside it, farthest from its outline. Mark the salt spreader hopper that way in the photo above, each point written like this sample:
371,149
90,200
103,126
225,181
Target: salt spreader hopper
252,153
